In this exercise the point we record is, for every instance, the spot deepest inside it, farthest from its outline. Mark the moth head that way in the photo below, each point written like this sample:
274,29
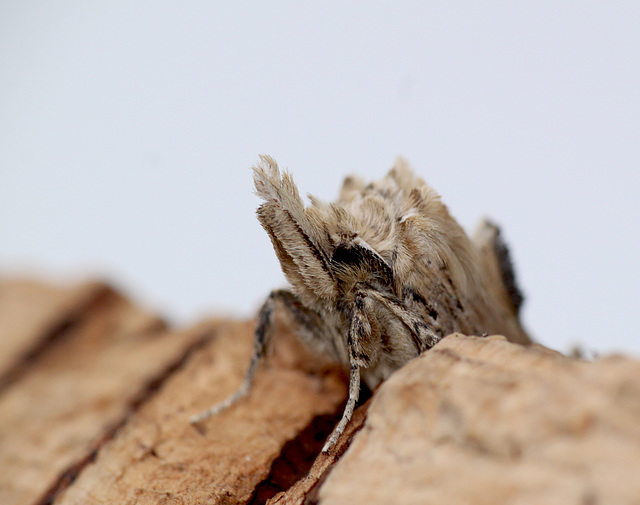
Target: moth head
319,249
356,262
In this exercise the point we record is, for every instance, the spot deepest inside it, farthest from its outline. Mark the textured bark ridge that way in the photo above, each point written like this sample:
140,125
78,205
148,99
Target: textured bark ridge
485,421
95,396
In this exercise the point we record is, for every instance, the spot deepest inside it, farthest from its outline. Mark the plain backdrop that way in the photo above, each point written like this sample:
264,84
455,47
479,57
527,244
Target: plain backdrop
128,129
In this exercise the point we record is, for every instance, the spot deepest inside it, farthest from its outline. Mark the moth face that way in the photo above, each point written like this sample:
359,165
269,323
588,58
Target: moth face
355,262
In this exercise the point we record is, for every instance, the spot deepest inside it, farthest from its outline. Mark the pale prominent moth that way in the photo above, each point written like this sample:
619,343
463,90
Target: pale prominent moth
379,276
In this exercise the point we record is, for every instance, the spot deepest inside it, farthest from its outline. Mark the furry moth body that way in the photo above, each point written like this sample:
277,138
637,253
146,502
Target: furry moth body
379,276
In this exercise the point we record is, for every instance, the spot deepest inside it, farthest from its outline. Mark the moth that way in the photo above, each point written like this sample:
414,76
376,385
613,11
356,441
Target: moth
378,277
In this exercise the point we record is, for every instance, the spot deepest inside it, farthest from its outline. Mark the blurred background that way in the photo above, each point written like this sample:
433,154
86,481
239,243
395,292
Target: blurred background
127,131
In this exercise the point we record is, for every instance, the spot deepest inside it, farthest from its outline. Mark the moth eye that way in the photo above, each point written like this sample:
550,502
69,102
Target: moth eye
352,256
347,255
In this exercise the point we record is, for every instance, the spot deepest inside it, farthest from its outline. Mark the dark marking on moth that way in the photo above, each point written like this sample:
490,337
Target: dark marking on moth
408,292
506,269
418,342
394,255
454,291
299,312
354,256
385,341
314,250
358,325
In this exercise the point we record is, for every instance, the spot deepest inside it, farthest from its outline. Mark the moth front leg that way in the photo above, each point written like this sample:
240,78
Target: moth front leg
362,339
422,334
262,337
308,327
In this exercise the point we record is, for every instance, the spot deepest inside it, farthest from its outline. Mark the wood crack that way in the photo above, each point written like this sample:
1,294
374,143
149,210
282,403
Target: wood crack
68,476
55,333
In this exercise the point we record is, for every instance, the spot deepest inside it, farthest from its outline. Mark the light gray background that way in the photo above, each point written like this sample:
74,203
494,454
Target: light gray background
127,130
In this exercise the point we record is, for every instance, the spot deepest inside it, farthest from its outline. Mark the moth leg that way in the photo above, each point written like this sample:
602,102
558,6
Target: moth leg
262,337
308,324
354,393
424,337
361,355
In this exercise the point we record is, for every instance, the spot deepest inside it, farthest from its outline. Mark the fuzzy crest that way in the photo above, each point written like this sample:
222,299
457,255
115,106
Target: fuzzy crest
378,277
392,232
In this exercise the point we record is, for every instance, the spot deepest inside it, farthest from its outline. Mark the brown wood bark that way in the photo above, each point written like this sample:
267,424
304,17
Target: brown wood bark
32,314
99,357
97,393
485,421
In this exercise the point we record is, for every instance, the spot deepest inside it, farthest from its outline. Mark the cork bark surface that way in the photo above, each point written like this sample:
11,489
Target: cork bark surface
96,393
32,314
484,421
99,357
